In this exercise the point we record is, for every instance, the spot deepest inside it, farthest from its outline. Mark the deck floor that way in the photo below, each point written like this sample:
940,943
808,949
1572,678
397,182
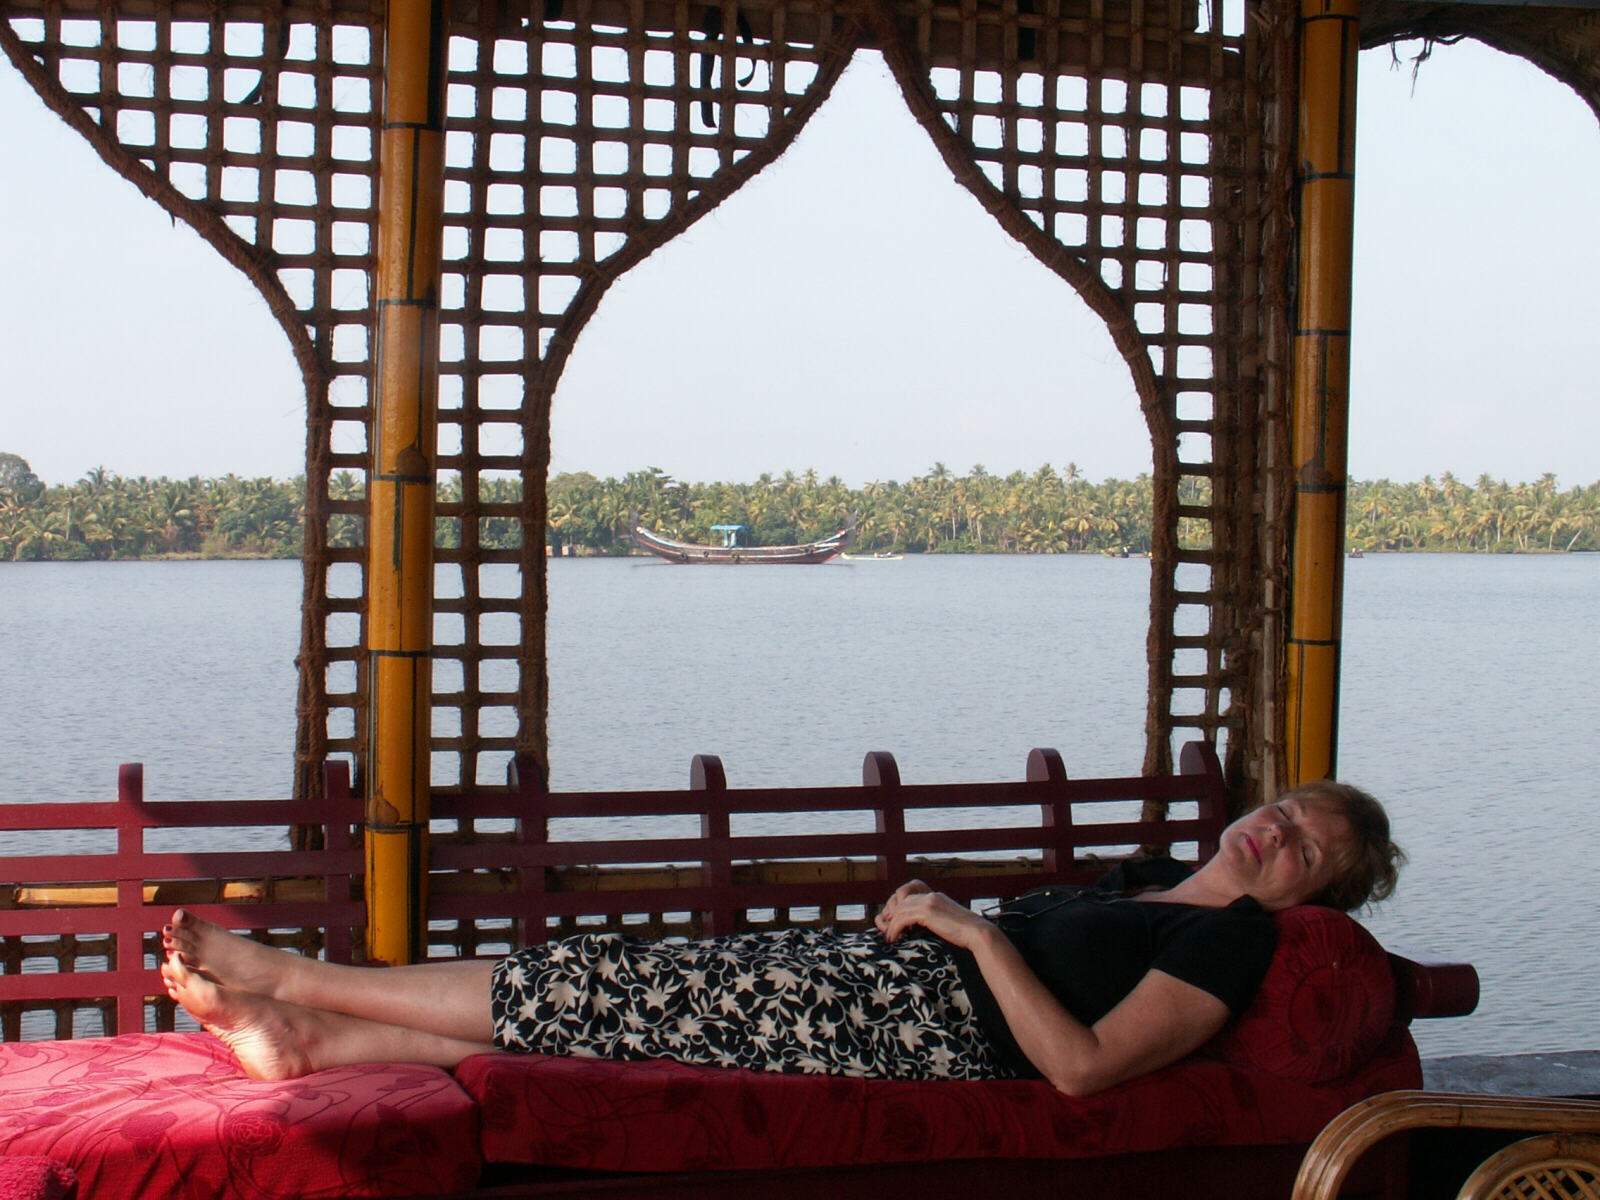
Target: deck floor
1565,1073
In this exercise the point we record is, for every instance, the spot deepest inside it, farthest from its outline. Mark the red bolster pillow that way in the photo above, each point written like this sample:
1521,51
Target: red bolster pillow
1324,1006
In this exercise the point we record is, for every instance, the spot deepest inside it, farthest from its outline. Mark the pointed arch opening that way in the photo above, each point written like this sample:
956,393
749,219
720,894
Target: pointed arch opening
758,348
148,384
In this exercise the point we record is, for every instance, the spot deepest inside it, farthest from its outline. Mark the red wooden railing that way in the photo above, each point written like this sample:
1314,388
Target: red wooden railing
551,872
721,877
136,888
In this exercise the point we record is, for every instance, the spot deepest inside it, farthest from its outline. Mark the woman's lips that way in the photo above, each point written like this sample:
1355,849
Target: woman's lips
1255,850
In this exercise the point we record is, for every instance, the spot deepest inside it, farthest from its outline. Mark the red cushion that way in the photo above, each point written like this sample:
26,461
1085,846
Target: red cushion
171,1114
1325,1004
664,1116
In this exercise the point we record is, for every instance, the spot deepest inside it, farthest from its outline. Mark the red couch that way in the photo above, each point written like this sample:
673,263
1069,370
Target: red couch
170,1114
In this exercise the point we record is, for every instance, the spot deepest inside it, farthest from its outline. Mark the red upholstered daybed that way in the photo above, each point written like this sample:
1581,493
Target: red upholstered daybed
157,1115
1328,1028
171,1114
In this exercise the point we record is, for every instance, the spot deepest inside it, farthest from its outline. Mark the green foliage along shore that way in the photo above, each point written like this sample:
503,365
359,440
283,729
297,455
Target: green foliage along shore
105,516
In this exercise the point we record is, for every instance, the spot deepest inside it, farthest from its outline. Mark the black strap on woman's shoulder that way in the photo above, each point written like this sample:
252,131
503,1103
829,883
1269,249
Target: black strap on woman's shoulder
1140,874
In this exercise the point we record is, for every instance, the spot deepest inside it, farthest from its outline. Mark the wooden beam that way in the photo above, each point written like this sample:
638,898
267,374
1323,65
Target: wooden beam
1329,41
402,482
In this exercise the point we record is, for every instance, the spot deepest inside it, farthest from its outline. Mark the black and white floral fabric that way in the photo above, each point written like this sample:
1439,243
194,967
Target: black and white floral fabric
806,1000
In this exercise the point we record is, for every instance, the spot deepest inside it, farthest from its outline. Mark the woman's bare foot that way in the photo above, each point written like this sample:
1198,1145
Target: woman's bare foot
225,958
277,1039
263,1034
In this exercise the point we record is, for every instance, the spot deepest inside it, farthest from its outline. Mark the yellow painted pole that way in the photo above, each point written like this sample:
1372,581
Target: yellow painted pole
401,490
1329,44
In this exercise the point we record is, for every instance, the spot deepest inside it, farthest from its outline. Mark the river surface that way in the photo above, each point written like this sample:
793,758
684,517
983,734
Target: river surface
1469,704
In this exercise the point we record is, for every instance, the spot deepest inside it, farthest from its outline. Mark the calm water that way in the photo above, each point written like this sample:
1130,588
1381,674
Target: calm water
1469,704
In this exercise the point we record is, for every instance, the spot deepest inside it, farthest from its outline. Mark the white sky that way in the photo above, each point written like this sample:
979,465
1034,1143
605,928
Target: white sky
853,310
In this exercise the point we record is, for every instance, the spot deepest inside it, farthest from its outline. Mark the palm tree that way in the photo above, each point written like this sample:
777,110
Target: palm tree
94,480
40,531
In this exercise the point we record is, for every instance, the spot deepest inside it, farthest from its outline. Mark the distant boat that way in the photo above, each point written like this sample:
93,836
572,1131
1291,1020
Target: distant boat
880,556
731,552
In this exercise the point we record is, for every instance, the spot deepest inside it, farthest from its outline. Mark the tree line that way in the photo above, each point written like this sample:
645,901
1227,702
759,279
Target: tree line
1048,511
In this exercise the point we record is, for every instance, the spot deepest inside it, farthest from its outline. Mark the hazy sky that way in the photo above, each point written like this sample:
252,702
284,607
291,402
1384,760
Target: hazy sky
853,310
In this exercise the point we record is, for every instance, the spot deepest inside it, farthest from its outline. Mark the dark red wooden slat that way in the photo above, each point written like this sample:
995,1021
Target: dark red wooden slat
827,799
85,985
708,779
98,815
821,846
244,864
880,775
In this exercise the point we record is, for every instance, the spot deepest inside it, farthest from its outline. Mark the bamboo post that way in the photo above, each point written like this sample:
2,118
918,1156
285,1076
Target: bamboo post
401,492
1320,418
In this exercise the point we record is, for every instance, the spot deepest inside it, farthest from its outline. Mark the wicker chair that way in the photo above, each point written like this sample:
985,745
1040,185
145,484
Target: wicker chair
1559,1161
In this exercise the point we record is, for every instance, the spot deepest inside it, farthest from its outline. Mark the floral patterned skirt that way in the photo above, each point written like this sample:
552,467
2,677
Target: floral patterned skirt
807,1000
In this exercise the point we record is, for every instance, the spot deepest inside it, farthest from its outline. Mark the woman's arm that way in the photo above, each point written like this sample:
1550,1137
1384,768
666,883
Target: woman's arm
1157,1023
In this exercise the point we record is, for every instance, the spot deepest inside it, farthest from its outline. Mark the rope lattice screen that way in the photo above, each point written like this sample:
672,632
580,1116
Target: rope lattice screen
576,144
1113,137
1110,139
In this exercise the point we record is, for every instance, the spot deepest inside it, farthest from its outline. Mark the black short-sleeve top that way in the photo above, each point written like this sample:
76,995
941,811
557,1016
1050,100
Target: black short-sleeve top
1092,946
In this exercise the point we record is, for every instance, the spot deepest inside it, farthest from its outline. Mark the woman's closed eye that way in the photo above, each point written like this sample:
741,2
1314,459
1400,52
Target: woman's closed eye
1308,849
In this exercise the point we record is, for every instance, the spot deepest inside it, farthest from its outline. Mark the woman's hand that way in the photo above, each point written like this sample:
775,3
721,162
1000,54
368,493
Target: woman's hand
915,903
913,888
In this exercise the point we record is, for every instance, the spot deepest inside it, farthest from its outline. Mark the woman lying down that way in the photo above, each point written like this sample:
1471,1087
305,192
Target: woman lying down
1084,987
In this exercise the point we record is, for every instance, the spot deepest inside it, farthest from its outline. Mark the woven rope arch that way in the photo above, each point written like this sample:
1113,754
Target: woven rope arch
1111,138
576,144
1136,146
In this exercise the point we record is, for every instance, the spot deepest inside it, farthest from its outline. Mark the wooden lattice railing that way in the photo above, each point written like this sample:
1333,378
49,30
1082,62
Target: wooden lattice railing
79,932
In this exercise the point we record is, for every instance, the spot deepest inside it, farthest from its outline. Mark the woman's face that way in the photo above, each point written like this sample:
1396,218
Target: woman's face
1286,853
